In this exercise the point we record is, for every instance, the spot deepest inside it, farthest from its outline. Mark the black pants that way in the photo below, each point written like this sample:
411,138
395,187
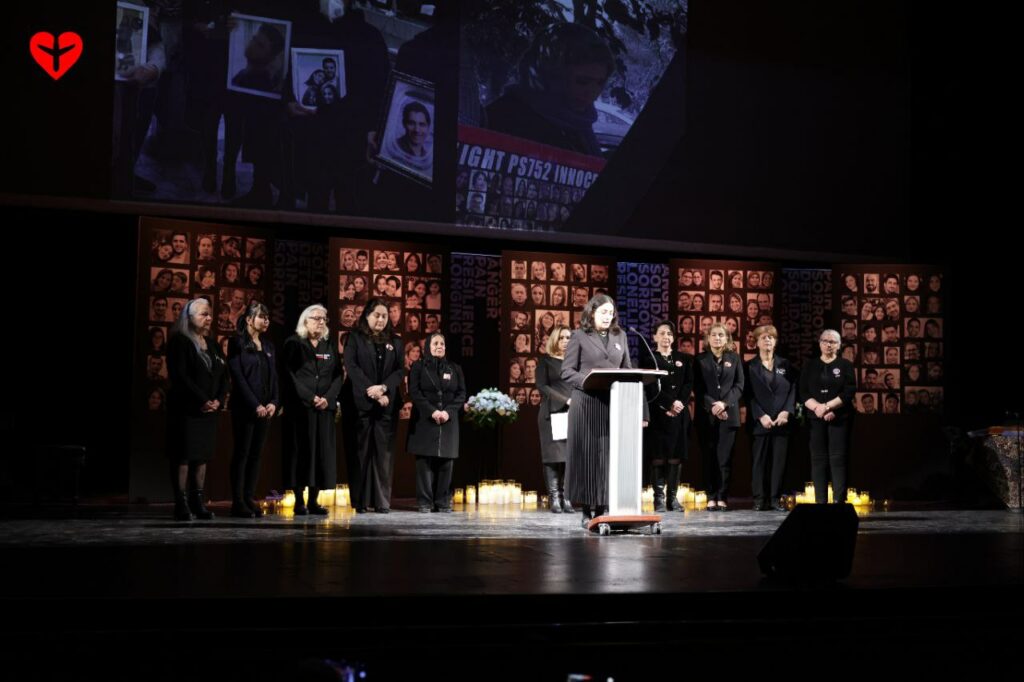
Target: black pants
769,450
717,439
250,436
434,481
828,453
372,463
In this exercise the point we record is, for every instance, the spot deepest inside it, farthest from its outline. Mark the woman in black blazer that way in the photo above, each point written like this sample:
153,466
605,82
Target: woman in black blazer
314,374
598,343
666,440
375,368
718,386
828,384
771,386
253,365
437,389
557,396
198,376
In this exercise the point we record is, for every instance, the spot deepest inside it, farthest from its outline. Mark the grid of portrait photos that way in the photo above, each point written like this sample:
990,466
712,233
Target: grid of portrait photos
412,278
182,260
891,319
740,295
543,290
508,201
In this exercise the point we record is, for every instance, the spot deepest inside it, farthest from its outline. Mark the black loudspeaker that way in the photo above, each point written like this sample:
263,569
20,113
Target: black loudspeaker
815,543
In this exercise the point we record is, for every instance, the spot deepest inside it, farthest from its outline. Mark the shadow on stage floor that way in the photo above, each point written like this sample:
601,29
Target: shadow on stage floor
492,594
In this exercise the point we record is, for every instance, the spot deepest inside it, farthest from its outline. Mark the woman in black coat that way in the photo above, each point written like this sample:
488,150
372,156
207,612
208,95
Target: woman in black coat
375,368
255,400
718,386
314,374
598,343
557,396
828,384
198,376
771,385
438,392
666,440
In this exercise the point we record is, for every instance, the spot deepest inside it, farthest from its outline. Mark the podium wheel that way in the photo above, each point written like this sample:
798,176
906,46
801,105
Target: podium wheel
656,528
604,529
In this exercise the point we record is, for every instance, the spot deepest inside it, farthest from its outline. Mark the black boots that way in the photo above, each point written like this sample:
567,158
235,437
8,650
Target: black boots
674,469
196,505
551,480
181,510
240,510
658,471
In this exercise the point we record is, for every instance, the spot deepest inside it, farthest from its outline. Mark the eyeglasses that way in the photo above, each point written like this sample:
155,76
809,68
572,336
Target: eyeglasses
317,318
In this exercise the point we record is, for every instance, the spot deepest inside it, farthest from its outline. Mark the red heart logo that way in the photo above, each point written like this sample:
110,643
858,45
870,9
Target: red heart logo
55,55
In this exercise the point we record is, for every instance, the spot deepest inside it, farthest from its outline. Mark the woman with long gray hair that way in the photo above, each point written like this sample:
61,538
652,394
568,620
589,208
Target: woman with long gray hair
198,384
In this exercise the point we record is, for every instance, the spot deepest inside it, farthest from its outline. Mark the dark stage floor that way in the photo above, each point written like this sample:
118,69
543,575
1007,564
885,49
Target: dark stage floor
493,585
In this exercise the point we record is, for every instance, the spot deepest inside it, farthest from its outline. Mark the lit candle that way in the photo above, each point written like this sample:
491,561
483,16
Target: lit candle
288,500
517,493
485,492
459,496
530,499
700,499
470,494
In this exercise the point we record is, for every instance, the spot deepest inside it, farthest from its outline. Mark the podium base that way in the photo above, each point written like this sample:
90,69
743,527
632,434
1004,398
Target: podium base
649,524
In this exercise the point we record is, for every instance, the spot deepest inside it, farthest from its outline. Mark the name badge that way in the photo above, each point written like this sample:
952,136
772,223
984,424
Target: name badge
618,347
836,371
728,364
447,376
323,356
678,363
781,371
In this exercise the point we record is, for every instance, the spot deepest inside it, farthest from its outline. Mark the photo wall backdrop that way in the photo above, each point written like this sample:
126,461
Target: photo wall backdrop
178,261
740,294
892,321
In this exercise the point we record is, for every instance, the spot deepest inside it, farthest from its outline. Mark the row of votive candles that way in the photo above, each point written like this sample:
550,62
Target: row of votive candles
335,497
857,499
496,492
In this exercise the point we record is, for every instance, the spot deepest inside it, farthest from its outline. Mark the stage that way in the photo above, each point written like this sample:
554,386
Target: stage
492,586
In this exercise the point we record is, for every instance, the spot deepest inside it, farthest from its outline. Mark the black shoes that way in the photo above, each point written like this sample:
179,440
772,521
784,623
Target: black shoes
181,510
197,507
301,510
317,510
566,506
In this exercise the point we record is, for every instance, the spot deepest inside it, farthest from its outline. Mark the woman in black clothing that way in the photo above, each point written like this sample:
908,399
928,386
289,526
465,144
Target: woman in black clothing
557,398
198,376
314,374
438,392
254,403
666,439
771,385
375,368
598,343
828,385
718,386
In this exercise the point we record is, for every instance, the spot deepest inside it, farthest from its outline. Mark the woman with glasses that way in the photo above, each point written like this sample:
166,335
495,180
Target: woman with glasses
314,374
828,384
375,367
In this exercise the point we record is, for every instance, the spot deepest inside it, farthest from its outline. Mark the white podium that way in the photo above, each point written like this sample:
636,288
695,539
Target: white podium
625,466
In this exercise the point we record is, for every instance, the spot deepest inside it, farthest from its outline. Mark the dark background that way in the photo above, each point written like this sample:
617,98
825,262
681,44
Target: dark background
815,133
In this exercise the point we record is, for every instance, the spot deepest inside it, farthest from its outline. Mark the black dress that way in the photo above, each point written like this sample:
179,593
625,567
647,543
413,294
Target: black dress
196,377
586,475
556,392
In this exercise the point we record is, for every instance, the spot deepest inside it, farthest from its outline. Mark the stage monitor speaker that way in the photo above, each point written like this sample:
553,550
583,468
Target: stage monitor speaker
814,543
